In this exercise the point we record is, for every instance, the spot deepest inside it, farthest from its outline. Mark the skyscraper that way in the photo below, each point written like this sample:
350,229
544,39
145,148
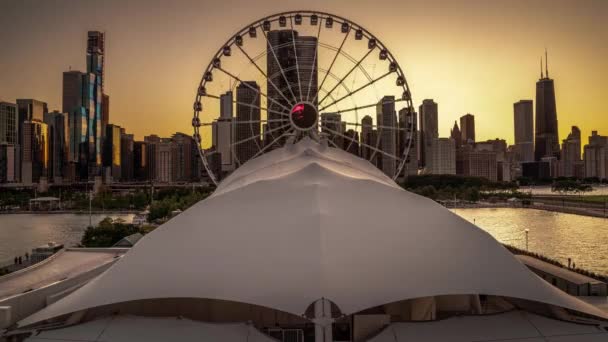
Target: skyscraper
429,131
331,123
27,110
351,145
57,123
105,113
112,154
247,135
467,128
140,161
456,134
292,74
223,132
9,143
127,146
387,117
35,151
523,116
366,137
547,139
92,99
9,123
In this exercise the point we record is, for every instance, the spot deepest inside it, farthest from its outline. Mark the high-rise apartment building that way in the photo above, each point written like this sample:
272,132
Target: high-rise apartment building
247,126
596,156
444,157
429,131
185,159
571,162
547,139
467,128
477,163
523,117
387,117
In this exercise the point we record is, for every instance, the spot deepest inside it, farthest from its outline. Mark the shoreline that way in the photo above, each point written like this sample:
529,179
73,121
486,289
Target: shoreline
589,212
76,212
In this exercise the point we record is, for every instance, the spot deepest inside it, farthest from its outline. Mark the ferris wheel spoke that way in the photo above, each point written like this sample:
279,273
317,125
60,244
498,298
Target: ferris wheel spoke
348,73
367,106
276,59
295,53
260,152
361,143
376,126
252,106
333,143
332,64
265,76
256,90
259,135
356,90
314,62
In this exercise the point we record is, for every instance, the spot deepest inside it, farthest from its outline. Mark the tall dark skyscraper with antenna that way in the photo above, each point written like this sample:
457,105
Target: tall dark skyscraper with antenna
546,140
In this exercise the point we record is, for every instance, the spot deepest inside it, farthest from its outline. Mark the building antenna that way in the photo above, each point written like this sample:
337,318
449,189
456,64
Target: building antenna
541,68
546,64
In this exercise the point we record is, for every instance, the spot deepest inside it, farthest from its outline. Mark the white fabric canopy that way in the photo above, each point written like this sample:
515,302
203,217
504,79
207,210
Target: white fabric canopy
161,329
515,326
307,222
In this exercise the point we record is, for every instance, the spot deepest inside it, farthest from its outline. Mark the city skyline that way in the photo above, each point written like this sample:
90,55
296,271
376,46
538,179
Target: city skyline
576,60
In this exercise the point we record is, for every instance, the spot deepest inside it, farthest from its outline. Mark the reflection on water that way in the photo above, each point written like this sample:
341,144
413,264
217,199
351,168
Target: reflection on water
19,233
546,190
556,235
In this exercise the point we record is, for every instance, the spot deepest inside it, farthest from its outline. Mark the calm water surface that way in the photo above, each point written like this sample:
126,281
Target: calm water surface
19,233
556,235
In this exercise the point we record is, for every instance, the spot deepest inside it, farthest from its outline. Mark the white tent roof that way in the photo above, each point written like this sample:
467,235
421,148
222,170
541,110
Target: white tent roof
133,328
515,326
307,222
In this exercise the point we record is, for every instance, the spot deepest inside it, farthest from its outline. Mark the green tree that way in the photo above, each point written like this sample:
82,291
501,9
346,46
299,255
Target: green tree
107,233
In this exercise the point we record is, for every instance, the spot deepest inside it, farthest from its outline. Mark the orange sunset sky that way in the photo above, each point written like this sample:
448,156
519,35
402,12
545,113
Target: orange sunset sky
471,56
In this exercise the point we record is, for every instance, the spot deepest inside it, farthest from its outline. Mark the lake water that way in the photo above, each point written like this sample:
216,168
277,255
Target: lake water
19,233
556,235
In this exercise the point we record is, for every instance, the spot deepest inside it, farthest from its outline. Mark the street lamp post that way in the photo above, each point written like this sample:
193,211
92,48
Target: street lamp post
527,231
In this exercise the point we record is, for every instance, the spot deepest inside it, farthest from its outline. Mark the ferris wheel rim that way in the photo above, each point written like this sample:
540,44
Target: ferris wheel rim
321,16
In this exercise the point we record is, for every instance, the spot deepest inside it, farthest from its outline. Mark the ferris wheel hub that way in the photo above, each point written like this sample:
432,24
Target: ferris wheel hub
304,116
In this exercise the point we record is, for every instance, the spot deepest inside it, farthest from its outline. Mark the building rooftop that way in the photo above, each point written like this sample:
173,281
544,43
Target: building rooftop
561,272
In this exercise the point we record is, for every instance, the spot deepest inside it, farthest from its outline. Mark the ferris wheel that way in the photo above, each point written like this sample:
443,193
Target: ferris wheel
303,74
